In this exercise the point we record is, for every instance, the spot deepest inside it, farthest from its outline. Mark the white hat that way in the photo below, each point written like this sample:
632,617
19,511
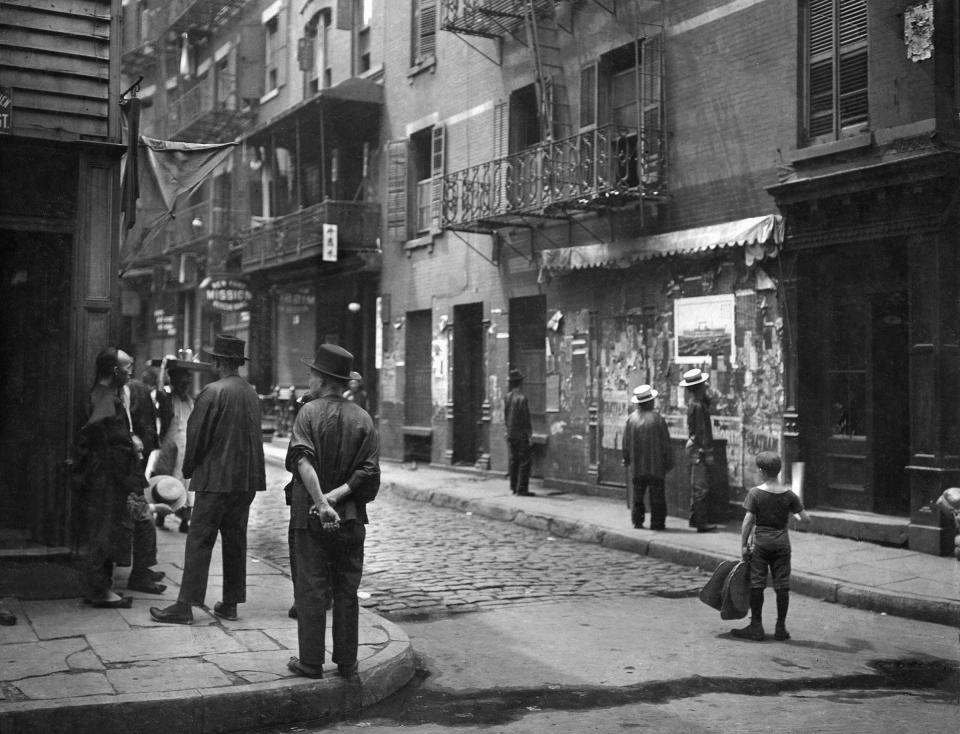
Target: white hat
643,393
693,377
166,490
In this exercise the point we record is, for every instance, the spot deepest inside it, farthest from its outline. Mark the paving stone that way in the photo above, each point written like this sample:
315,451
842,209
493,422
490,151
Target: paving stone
178,674
60,617
65,685
254,640
255,667
29,659
161,643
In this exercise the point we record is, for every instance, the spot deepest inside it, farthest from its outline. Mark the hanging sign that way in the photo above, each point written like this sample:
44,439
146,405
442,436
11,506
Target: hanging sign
330,243
228,295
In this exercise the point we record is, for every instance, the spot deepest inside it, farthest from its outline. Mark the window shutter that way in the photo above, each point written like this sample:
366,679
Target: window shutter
501,141
588,96
250,62
852,72
438,144
425,27
397,190
280,52
344,15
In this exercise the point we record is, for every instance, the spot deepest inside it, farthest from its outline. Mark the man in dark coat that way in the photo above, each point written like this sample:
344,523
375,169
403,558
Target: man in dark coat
109,470
224,460
647,451
699,448
516,418
334,456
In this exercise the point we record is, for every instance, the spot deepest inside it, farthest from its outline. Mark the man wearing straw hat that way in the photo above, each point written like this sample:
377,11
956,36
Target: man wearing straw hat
334,456
224,461
699,448
646,450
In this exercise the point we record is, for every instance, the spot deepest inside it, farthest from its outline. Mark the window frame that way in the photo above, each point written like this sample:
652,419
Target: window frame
424,34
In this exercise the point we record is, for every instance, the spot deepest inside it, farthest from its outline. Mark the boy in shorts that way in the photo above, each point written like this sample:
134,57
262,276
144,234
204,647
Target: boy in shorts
768,507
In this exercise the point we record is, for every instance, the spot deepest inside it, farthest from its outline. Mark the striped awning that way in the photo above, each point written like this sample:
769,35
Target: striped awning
760,236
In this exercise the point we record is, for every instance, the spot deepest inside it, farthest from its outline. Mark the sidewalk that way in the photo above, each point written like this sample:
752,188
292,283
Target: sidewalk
67,667
858,574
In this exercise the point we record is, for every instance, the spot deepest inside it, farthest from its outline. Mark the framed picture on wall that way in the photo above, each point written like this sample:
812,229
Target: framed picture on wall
703,329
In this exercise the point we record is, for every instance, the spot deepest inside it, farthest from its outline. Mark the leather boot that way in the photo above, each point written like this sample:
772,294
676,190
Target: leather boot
184,514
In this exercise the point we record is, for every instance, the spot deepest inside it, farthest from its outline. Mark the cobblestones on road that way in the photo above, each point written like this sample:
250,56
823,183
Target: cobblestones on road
424,560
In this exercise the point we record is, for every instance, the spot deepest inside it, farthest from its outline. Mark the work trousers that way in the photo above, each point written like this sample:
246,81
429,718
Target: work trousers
519,464
328,561
144,550
225,513
658,501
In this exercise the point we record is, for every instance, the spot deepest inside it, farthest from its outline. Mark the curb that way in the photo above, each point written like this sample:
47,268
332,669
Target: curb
217,711
867,598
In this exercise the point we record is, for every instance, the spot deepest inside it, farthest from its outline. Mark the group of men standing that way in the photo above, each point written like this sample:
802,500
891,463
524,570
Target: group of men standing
333,455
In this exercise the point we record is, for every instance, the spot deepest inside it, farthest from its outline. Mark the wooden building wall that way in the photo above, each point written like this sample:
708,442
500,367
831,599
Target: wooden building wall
61,62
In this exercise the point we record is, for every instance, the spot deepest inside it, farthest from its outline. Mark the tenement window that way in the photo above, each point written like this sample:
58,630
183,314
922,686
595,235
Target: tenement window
835,84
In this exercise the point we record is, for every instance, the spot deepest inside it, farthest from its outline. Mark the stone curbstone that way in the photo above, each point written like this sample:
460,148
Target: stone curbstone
529,520
503,513
621,541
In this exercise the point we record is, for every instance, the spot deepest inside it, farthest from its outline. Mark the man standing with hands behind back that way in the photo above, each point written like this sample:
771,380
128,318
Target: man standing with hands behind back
224,460
334,456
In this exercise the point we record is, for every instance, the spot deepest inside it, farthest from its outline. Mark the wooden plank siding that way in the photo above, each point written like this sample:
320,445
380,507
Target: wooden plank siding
59,57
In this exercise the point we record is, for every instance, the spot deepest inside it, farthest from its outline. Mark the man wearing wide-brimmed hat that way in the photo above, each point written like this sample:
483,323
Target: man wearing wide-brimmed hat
647,451
699,448
519,433
334,456
224,460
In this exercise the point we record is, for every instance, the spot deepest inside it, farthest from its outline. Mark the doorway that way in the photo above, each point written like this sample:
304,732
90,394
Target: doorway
468,382
34,377
853,378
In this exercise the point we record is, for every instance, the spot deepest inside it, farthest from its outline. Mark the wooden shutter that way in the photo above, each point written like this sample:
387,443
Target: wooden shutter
852,64
820,70
425,30
250,62
438,144
345,15
588,96
280,52
397,190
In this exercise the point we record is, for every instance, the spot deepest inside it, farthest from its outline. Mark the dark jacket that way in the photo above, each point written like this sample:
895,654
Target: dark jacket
516,415
225,439
143,415
646,444
339,439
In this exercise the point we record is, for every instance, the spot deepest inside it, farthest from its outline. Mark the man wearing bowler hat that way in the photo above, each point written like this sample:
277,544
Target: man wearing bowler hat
224,461
334,456
699,448
646,450
516,418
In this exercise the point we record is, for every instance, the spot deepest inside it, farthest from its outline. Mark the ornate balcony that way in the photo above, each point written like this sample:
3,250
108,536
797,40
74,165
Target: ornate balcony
210,112
609,166
206,15
299,236
488,18
195,226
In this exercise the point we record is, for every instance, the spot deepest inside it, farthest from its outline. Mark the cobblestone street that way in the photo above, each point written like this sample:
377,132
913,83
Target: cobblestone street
425,560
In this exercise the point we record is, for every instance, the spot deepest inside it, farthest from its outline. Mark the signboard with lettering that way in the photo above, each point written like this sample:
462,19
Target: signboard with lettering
6,109
330,243
165,323
228,295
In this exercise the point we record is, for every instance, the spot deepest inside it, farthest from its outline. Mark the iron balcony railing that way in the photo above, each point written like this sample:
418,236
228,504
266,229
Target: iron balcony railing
489,18
603,165
299,235
209,110
195,225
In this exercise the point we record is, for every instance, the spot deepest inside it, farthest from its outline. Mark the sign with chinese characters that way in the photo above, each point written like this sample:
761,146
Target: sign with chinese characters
6,109
329,243
228,295
918,31
165,323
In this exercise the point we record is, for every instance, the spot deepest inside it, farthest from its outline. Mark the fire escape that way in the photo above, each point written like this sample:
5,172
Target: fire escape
577,165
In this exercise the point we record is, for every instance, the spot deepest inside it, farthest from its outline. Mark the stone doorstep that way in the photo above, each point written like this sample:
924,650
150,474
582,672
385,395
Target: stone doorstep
867,526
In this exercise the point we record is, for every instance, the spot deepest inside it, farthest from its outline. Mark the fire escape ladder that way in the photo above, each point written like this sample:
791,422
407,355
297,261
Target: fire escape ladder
543,34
